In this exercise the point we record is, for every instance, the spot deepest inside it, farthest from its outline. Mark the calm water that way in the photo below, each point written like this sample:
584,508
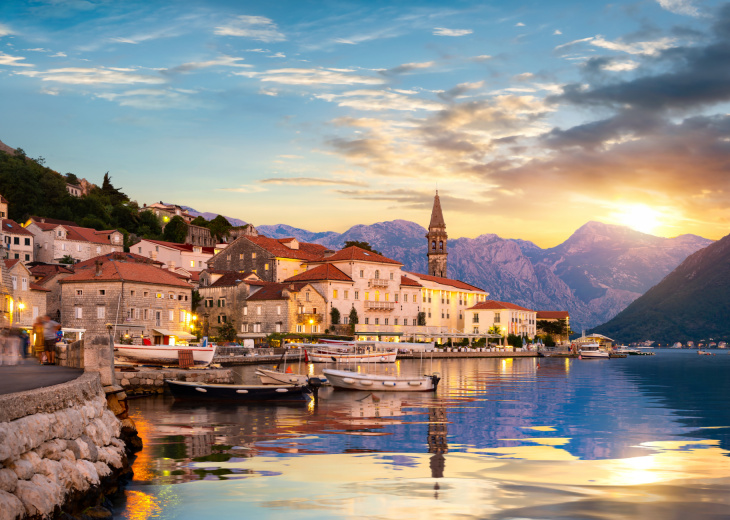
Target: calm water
642,437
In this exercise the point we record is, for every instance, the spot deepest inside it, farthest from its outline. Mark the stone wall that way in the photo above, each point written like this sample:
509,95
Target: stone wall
152,380
59,447
244,256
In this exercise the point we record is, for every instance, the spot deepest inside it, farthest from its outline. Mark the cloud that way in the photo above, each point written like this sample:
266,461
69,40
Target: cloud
13,61
94,76
277,55
300,76
406,68
5,30
245,189
460,90
685,7
377,100
150,99
38,49
50,91
311,181
222,61
557,32
649,48
524,76
255,27
606,63
443,31
58,55
519,24
415,199
574,42
483,57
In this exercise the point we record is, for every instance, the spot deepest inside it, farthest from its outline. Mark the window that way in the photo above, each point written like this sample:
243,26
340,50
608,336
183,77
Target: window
240,257
377,321
146,314
396,297
424,297
100,312
14,280
171,315
346,295
78,313
192,263
27,258
258,310
132,292
139,250
345,320
405,298
79,292
102,292
475,318
245,311
391,276
367,295
300,328
306,296
253,256
315,328
415,321
27,241
244,327
221,302
385,321
208,302
253,271
362,273
182,316
63,247
158,295
476,330
497,318
171,296
277,327
395,321
334,294
266,267
98,249
24,284
357,295
367,321
222,318
145,294
377,274
387,297
278,310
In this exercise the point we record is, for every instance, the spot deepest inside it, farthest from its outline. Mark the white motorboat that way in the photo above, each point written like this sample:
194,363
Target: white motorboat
358,381
167,355
275,377
593,350
350,353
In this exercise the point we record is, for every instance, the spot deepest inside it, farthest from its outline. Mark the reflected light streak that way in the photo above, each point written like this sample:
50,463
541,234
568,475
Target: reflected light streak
141,506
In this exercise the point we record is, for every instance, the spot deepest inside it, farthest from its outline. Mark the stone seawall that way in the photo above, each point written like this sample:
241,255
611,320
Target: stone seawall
149,380
60,448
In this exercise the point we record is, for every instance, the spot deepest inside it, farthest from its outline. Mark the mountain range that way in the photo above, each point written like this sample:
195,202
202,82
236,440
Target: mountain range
689,304
596,273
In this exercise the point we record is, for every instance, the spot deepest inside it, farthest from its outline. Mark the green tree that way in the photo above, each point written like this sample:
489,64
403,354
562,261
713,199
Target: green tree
114,195
361,245
227,332
176,230
494,329
149,225
549,341
421,319
335,316
514,340
354,319
67,259
199,221
72,179
195,300
219,228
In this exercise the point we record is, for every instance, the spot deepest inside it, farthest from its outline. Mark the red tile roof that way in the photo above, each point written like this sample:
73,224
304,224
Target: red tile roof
354,253
114,271
404,280
230,279
10,262
273,291
120,256
54,221
321,272
81,234
495,305
306,250
10,226
552,315
182,247
36,287
48,271
447,281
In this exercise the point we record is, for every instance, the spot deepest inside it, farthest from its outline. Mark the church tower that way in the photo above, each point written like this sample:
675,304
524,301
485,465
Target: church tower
437,253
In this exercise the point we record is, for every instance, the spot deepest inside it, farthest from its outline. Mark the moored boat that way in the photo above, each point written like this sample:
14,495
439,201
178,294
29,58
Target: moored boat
164,354
275,377
239,393
347,380
350,353
593,351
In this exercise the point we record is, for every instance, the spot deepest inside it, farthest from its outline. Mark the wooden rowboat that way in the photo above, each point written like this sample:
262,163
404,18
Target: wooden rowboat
239,393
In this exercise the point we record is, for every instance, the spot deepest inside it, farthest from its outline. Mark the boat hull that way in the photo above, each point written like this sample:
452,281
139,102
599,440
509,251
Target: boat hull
337,357
239,393
274,377
346,380
594,354
162,354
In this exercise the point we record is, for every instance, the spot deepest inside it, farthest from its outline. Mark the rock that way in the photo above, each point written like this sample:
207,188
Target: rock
52,449
39,495
102,469
115,406
74,480
8,480
97,513
88,472
22,468
74,448
88,448
11,508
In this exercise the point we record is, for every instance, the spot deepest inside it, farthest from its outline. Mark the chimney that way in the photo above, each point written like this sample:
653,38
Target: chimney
172,265
98,265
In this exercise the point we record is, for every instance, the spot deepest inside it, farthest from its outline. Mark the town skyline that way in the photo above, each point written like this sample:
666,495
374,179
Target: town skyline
529,120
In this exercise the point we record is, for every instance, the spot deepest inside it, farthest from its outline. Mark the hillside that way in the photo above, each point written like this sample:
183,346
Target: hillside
688,304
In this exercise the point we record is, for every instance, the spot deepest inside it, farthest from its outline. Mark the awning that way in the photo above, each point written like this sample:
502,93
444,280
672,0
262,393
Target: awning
178,335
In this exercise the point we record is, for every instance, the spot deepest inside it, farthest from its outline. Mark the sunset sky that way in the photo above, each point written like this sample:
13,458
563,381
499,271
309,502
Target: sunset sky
530,117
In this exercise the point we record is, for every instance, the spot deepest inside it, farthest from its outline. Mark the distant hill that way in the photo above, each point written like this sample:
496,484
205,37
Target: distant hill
207,215
691,303
594,274
5,148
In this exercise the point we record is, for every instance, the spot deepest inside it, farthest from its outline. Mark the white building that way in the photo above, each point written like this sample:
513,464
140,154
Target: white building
54,241
172,255
16,240
509,318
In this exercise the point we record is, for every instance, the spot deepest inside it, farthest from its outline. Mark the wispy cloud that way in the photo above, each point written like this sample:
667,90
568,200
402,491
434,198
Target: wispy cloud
685,7
13,61
58,55
557,32
221,61
574,42
5,30
94,76
255,27
648,48
377,100
299,76
519,24
150,99
245,189
312,181
443,31
407,67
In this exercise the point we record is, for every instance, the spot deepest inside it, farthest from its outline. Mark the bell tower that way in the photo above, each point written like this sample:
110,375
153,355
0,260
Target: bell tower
437,252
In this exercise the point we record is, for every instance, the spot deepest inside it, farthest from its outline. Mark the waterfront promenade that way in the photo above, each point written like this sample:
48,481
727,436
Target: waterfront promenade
30,375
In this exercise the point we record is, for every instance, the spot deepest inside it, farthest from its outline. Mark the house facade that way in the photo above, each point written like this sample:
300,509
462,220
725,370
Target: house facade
48,277
56,241
17,241
555,323
504,317
24,300
172,255
140,301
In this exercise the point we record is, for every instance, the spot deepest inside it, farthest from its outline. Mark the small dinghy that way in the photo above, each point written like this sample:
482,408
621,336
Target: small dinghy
384,383
239,393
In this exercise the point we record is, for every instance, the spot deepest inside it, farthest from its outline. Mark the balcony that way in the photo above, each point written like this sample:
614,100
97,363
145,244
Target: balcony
377,282
304,317
379,306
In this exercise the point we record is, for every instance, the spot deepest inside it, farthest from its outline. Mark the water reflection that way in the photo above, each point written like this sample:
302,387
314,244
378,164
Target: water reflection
501,439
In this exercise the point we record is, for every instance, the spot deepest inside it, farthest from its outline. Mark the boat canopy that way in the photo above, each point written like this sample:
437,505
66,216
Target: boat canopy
178,335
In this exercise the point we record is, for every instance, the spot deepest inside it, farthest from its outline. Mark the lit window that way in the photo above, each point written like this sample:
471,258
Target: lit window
367,295
334,294
253,255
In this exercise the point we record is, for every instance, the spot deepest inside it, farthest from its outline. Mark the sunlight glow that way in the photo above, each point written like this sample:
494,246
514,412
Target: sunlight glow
639,217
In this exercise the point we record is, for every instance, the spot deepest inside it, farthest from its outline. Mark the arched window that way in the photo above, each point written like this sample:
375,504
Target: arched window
441,245
433,245
377,274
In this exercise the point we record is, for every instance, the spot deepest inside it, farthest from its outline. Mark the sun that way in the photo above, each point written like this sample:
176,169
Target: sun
639,217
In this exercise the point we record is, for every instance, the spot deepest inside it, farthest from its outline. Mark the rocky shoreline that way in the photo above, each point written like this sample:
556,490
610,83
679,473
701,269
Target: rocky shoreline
63,450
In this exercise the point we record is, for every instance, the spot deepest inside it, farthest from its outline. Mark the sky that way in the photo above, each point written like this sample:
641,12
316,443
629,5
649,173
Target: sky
529,117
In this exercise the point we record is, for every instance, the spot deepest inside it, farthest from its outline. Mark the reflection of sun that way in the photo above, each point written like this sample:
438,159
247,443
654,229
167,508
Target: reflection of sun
639,217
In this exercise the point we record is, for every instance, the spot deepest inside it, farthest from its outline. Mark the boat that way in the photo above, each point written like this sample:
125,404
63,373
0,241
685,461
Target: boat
275,377
350,353
624,349
704,353
348,380
239,393
593,350
166,355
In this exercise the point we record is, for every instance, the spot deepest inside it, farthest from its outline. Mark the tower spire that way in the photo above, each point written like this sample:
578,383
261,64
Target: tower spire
437,237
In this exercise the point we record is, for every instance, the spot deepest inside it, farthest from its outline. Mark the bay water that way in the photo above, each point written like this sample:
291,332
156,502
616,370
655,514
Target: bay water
643,437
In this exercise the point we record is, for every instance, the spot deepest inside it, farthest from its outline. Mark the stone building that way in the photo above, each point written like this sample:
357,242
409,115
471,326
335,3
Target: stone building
17,241
273,260
199,236
139,300
165,212
48,277
296,307
223,296
3,207
24,300
509,318
174,255
437,241
54,241
74,190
